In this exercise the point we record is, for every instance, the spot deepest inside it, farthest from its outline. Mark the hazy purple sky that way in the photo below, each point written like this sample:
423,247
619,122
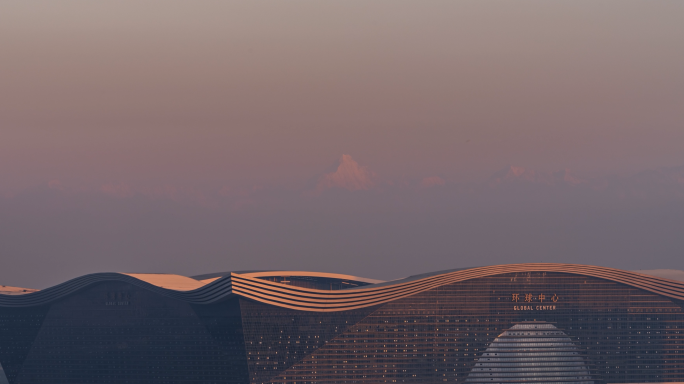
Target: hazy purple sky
272,92
228,97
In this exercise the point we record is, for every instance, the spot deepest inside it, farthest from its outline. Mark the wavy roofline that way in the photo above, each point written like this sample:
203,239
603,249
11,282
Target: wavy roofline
277,273
314,274
307,299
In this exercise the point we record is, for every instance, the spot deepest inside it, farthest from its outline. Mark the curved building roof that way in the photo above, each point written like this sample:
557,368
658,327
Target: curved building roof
169,281
672,274
251,285
7,290
338,276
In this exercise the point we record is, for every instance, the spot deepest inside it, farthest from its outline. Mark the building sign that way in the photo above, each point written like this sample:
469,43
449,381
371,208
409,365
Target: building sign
534,307
534,302
118,298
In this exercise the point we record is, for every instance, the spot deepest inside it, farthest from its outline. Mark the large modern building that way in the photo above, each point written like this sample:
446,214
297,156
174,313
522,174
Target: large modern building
519,323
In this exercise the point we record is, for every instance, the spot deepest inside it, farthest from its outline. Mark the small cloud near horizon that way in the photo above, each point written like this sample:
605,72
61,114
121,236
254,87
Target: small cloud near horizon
432,181
349,175
117,190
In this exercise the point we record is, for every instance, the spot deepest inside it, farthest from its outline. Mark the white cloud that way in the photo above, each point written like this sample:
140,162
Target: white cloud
349,175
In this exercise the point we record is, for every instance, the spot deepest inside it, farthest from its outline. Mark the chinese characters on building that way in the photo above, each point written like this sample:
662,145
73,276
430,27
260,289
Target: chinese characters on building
545,301
528,298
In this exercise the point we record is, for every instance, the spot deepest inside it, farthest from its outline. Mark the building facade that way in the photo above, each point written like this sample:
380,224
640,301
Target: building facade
538,323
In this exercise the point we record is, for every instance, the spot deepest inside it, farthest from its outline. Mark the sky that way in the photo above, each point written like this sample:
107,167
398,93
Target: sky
372,138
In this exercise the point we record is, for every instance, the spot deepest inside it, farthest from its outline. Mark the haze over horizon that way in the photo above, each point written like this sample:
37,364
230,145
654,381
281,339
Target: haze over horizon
377,139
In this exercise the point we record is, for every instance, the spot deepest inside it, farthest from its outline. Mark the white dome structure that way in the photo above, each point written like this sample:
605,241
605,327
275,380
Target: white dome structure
531,352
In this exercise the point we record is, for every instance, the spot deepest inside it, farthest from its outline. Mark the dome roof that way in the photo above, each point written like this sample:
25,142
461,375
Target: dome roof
531,352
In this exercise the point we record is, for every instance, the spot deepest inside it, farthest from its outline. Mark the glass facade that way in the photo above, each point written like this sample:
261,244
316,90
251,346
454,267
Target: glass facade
599,330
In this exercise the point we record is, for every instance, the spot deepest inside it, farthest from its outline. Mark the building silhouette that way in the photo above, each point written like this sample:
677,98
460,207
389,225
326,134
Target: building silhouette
536,323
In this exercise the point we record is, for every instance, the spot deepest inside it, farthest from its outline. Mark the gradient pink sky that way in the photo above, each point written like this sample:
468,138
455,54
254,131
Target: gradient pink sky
158,93
373,138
